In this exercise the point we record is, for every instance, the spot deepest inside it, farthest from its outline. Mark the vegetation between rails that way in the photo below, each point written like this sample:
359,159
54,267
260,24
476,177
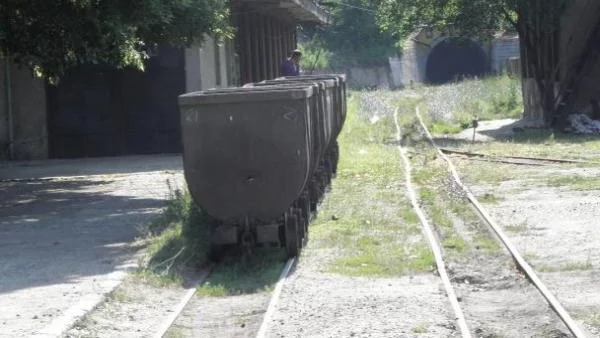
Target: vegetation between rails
176,243
365,224
366,220
178,246
460,230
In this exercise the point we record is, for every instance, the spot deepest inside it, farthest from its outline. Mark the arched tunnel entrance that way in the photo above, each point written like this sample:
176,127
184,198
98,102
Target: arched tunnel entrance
453,59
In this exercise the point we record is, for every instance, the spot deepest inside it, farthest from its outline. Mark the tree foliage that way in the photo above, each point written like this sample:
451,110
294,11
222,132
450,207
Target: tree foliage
353,38
49,36
536,21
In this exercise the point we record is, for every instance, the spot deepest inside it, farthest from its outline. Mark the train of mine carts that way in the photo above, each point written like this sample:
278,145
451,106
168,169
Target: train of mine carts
259,158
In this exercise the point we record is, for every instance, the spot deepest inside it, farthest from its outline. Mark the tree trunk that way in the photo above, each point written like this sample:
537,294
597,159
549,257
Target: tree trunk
539,41
534,114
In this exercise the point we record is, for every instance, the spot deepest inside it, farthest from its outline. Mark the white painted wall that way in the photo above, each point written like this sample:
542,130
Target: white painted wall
201,66
502,50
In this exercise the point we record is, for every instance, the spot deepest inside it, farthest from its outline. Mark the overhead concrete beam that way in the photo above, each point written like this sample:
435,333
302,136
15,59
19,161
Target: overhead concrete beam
300,10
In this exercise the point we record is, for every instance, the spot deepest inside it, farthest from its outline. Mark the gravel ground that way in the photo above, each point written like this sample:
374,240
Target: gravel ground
131,310
232,317
555,228
559,232
317,304
66,234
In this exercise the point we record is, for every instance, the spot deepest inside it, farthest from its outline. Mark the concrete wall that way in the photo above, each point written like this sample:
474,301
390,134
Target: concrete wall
209,66
502,50
4,137
411,66
28,97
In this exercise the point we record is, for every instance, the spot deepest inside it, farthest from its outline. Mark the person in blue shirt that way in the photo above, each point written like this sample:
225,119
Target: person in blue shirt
291,66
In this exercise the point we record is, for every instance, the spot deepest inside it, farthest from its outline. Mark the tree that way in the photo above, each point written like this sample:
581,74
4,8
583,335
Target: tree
51,36
536,21
353,38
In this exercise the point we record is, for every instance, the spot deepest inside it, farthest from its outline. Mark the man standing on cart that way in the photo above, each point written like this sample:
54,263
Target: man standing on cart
291,66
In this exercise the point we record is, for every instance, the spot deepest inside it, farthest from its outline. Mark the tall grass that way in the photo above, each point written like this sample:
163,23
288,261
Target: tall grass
486,99
178,240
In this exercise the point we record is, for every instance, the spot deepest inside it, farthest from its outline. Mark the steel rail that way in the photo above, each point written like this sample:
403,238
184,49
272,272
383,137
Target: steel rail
262,331
520,261
530,158
166,325
433,242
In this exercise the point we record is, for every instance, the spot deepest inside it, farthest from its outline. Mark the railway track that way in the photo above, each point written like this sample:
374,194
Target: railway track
461,319
520,262
182,305
517,160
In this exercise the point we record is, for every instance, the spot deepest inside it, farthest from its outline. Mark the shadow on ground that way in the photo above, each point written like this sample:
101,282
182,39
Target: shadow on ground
89,166
517,132
56,232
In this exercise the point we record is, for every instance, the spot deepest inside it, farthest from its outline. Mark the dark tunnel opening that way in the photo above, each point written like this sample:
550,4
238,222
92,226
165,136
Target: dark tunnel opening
454,59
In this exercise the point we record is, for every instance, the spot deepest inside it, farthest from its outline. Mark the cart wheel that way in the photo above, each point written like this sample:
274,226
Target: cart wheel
291,235
304,204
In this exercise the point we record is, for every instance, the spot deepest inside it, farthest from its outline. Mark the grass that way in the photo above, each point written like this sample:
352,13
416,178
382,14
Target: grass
594,320
235,276
483,172
448,208
575,182
489,198
375,232
178,246
419,329
119,295
454,106
570,266
442,127
517,228
176,332
177,242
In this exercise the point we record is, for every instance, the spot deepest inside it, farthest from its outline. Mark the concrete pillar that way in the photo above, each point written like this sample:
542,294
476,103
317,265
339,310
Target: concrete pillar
193,78
29,115
269,55
262,51
277,44
294,38
286,41
274,53
256,62
247,51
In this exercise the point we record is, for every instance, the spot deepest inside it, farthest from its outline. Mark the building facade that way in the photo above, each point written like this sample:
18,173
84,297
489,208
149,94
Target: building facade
438,57
100,111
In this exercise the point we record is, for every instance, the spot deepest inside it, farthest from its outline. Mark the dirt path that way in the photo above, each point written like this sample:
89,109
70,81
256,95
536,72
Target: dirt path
65,234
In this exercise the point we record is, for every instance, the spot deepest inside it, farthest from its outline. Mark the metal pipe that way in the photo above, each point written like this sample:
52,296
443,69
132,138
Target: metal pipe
9,108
